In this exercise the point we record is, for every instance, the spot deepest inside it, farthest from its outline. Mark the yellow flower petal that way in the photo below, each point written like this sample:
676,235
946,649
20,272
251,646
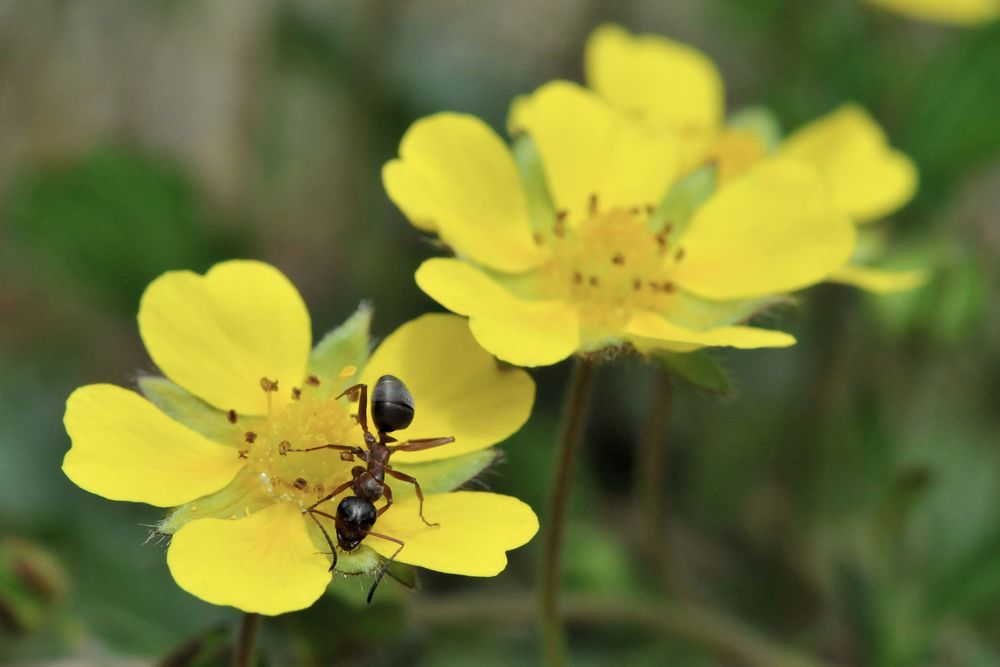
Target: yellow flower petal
771,231
650,331
523,333
475,532
589,149
666,83
265,563
958,12
217,335
458,388
868,178
734,152
124,448
455,176
880,281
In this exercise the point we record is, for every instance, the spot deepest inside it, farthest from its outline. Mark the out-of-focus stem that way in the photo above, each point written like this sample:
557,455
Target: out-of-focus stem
245,641
713,630
573,419
650,479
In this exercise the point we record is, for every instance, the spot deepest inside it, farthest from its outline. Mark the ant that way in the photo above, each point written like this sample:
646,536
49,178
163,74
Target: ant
353,523
392,410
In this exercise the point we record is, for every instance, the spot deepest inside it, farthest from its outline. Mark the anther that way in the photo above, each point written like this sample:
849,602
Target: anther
594,282
669,287
268,385
300,483
618,259
347,371
283,447
250,437
650,209
679,255
637,284
312,380
231,416
539,239
593,203
561,215
577,277
296,393
634,210
244,454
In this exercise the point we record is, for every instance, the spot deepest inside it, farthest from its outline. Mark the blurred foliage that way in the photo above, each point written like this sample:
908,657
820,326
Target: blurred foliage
841,496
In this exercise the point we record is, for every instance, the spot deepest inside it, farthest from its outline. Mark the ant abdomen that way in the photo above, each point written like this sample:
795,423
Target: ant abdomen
392,404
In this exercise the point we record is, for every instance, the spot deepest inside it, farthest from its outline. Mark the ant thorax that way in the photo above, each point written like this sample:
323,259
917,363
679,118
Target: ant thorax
303,423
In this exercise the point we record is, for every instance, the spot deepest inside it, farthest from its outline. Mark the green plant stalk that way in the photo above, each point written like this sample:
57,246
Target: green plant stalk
245,641
650,480
698,624
573,420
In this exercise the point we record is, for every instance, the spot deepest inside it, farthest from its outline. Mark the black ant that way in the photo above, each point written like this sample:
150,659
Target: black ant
392,410
353,523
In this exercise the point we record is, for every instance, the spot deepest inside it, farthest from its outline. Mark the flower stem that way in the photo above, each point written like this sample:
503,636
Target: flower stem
243,651
577,395
651,483
697,624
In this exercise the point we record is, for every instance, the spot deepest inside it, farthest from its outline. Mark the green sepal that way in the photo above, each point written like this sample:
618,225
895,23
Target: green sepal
698,369
195,413
684,198
347,345
760,122
541,209
444,475
241,497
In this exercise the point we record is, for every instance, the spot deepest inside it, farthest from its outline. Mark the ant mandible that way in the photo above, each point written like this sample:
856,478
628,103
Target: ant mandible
392,410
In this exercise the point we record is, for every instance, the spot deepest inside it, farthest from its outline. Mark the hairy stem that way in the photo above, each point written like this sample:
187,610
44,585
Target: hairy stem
573,419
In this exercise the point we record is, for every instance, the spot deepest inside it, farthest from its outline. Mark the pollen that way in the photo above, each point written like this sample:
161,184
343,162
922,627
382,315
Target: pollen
611,264
308,422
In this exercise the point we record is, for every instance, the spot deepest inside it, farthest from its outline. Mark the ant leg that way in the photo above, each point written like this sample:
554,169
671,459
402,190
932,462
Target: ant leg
420,444
362,404
340,489
326,535
403,477
346,449
385,564
387,492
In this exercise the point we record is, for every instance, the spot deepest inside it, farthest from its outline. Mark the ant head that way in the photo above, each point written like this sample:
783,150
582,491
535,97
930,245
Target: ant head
355,517
392,404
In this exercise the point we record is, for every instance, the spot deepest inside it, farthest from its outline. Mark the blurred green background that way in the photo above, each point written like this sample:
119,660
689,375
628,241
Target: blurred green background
842,500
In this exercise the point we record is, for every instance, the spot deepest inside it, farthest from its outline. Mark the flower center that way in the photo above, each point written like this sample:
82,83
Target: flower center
307,421
612,265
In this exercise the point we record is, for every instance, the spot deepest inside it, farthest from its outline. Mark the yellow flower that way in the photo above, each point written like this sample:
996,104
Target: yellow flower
209,438
625,252
958,12
673,87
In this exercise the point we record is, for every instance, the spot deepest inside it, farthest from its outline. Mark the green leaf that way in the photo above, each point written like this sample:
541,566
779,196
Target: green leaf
195,413
760,122
697,369
682,201
444,475
345,347
110,221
